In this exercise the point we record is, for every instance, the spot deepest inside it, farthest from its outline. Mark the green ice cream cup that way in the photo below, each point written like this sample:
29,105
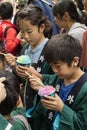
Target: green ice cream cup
23,60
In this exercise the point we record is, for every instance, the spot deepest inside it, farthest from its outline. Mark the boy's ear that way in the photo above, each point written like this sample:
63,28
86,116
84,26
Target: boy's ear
75,61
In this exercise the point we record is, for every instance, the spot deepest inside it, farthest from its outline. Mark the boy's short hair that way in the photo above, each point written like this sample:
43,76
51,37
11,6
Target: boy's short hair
12,89
62,47
6,10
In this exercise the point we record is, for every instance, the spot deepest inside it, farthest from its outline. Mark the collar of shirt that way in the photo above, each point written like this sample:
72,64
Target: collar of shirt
39,47
35,53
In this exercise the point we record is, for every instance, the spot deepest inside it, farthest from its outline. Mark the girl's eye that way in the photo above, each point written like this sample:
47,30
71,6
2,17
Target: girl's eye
26,32
22,32
29,32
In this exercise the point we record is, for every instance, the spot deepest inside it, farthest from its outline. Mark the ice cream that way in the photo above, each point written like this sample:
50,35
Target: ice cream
23,60
46,91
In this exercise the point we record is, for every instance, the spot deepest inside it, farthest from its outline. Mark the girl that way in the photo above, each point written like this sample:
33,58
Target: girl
36,30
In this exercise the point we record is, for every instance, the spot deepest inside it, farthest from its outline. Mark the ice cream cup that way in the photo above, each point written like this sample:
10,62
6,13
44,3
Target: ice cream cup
46,91
23,60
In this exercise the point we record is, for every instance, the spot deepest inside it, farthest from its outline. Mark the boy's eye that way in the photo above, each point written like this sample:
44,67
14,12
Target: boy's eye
58,66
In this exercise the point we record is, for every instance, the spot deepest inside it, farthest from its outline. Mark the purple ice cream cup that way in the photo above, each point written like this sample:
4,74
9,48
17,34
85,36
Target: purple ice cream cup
46,91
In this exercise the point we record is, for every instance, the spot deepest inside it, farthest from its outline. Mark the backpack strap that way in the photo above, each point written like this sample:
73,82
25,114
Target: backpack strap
6,29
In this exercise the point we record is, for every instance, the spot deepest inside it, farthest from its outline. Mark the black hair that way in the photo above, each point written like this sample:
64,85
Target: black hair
12,89
35,15
82,13
2,46
15,21
62,6
62,48
80,4
6,10
30,1
2,58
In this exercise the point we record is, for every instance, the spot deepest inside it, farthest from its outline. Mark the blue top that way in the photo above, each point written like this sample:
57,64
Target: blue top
35,53
65,90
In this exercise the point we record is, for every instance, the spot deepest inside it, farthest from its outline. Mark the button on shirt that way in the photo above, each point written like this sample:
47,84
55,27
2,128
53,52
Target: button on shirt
35,53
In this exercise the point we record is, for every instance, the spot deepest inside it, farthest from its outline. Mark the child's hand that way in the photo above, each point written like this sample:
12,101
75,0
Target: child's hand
2,89
53,103
20,70
36,83
10,59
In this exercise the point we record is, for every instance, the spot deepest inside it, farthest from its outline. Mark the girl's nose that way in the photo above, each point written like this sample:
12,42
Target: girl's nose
26,36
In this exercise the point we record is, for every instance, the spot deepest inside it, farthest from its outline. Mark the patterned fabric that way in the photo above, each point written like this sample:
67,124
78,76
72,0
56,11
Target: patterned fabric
24,120
69,99
76,118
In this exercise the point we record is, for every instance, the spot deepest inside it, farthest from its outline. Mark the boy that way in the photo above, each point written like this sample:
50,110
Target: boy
8,31
67,110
